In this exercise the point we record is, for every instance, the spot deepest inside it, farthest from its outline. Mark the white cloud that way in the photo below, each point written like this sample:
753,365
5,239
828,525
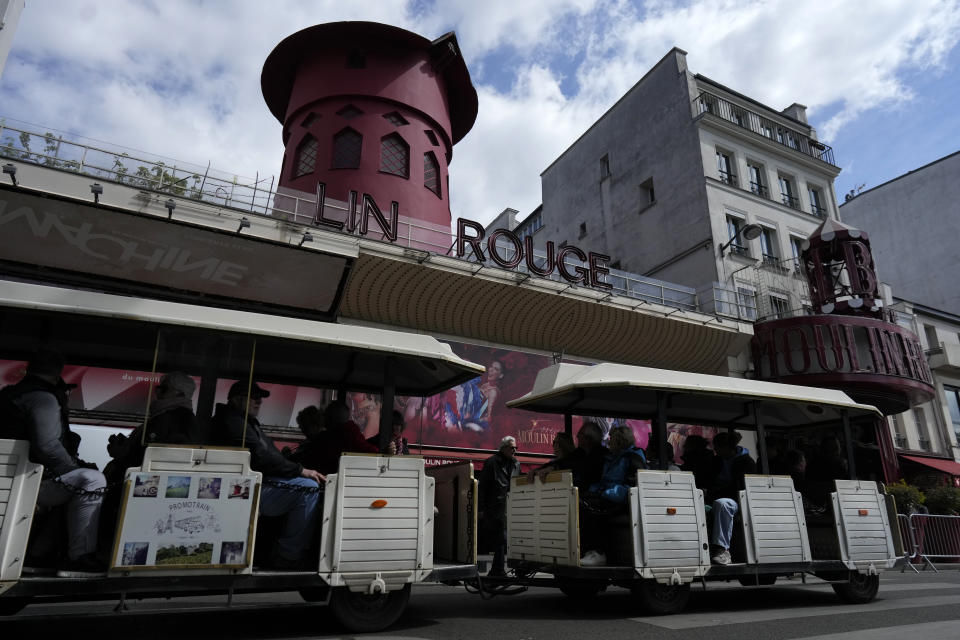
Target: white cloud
181,79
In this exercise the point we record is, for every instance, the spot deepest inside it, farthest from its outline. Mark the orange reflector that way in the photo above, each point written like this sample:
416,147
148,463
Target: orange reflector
863,512
671,511
378,504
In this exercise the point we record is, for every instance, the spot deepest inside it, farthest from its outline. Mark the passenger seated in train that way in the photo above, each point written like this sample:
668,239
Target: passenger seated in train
171,421
289,488
653,456
697,459
586,461
608,497
329,436
563,456
35,409
398,445
795,464
824,466
730,465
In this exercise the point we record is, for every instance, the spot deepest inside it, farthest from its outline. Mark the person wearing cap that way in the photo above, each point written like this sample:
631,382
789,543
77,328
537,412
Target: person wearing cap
36,409
235,424
494,486
171,421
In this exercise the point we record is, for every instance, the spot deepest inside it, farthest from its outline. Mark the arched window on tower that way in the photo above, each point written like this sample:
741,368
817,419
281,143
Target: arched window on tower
305,160
394,155
347,144
431,172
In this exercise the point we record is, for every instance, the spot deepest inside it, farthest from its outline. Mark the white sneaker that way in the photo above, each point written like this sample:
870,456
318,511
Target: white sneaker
721,558
593,559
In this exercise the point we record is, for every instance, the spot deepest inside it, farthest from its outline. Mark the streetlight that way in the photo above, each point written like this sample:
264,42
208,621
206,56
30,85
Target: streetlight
748,231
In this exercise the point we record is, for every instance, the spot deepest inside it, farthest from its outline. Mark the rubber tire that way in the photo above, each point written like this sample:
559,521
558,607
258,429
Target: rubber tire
364,613
11,605
661,599
581,591
315,594
861,588
757,581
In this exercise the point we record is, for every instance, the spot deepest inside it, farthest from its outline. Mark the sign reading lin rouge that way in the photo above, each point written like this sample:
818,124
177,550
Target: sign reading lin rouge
361,207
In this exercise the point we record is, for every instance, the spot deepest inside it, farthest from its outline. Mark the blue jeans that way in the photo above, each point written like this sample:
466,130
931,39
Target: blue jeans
724,511
302,511
83,511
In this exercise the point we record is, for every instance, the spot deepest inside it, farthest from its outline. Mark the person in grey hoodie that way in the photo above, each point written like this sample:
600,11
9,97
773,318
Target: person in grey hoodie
36,409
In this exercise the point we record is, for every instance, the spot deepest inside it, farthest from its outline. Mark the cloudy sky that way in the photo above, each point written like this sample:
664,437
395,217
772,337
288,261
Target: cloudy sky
178,78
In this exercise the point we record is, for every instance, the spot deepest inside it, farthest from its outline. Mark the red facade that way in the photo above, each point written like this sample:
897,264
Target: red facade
371,108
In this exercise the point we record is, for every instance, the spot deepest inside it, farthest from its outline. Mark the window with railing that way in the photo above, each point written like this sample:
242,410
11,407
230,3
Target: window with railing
816,201
747,301
769,245
920,420
758,179
779,306
737,244
787,192
725,168
899,439
796,251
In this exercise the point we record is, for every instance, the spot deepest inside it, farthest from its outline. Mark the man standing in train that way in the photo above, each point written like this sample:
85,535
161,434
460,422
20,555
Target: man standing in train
36,409
288,487
494,486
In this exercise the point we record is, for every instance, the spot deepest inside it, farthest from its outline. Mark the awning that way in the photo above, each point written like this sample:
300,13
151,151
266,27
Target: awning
944,466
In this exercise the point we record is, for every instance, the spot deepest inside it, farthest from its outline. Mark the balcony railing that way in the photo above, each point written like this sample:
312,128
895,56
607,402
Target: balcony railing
791,201
818,211
724,109
760,190
728,178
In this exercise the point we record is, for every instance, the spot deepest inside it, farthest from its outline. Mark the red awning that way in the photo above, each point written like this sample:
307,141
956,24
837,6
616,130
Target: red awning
944,466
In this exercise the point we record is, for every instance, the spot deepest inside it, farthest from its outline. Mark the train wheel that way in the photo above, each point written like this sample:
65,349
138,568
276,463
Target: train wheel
861,588
364,613
662,599
755,580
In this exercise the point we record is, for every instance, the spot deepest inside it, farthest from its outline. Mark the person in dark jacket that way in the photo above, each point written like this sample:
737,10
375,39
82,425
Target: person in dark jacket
335,435
494,486
589,456
398,445
287,484
36,409
171,422
731,464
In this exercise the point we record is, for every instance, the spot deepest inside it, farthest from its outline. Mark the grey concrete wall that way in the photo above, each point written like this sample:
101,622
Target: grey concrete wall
649,133
913,223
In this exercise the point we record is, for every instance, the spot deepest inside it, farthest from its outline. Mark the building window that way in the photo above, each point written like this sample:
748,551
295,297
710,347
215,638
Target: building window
953,402
431,172
305,159
796,252
747,302
531,225
647,194
933,341
768,244
779,307
394,156
725,168
605,167
347,145
395,119
920,419
816,201
349,112
309,120
734,225
899,439
583,230
787,191
758,180
432,137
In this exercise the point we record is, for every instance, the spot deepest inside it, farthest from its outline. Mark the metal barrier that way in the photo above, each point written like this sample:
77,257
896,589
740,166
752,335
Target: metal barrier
928,537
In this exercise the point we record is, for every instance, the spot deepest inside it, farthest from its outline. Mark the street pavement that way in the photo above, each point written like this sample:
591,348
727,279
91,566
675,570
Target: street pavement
908,607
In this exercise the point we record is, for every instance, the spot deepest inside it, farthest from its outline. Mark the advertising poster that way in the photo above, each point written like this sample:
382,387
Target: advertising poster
174,520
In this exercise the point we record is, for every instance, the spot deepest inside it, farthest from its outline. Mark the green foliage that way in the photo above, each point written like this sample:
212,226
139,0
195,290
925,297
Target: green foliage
944,500
908,497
